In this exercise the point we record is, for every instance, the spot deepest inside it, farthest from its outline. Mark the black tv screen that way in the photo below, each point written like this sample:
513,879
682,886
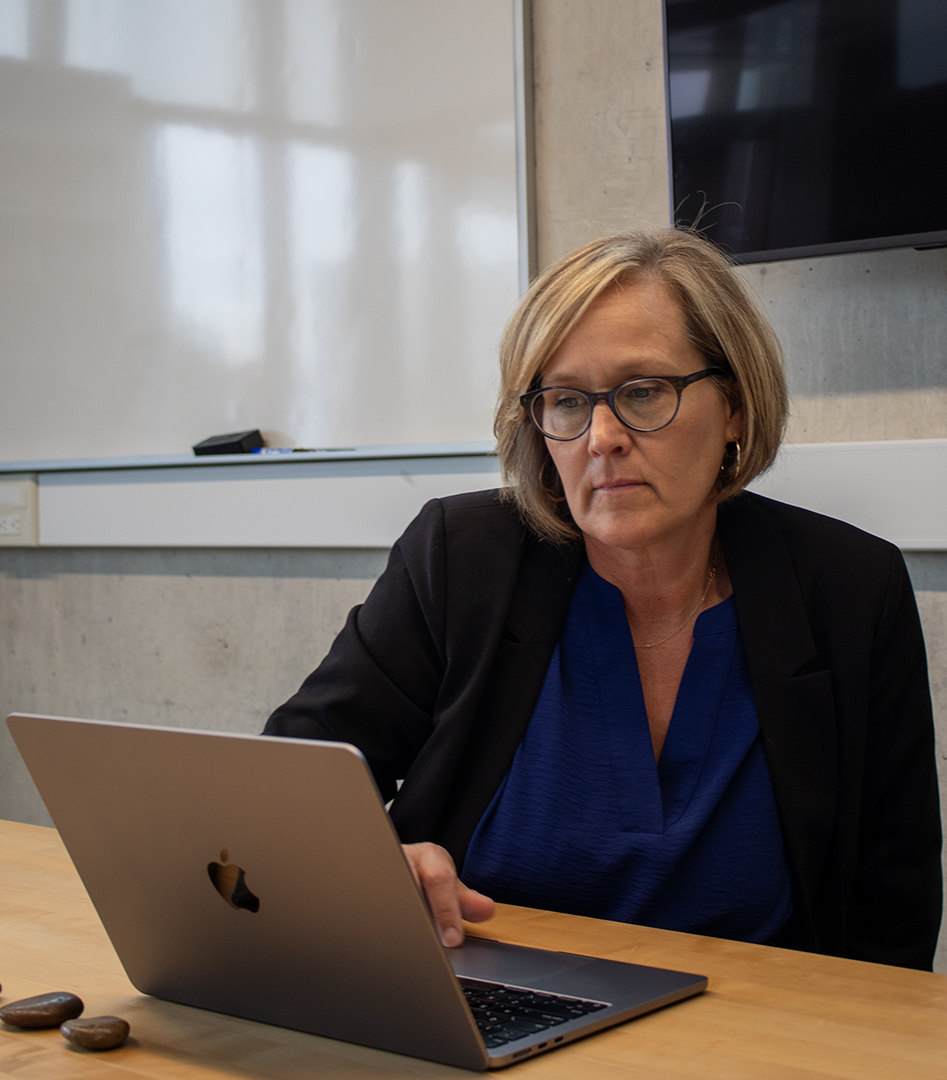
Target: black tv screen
809,127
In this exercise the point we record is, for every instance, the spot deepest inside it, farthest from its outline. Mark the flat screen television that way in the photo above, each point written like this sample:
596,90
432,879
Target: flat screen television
809,127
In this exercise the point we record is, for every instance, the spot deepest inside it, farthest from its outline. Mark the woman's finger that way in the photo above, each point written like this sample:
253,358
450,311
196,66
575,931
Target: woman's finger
449,900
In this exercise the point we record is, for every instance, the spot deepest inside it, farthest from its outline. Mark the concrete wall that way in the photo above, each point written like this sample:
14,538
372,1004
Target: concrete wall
186,638
216,639
601,129
865,340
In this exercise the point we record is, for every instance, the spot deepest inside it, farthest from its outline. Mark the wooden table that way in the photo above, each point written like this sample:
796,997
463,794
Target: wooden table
769,1013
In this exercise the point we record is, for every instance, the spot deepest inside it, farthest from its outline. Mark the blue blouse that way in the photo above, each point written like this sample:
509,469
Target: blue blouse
587,822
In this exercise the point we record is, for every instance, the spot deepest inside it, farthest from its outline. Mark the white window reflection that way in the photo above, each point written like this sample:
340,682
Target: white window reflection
778,57
14,29
922,43
411,210
323,205
211,191
486,236
749,92
413,200
689,90
313,58
190,52
322,234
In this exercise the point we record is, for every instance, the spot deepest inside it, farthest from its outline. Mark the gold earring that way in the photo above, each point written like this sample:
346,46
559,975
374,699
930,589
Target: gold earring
732,460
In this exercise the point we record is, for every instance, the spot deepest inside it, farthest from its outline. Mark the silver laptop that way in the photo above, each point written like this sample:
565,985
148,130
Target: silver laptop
261,877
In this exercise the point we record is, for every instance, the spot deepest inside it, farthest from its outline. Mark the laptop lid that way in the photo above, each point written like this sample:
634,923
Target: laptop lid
261,877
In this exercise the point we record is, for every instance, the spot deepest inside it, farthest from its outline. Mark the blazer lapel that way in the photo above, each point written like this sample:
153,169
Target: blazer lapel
792,687
537,611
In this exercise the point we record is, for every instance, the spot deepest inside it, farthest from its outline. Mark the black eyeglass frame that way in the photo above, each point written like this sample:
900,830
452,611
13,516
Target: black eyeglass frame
678,382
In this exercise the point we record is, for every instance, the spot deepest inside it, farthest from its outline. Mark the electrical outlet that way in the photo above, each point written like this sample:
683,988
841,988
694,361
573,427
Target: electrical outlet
19,513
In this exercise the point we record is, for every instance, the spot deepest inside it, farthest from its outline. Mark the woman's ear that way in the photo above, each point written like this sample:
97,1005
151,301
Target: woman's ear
736,426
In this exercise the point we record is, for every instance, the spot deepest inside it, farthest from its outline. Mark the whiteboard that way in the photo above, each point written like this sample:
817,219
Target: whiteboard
296,215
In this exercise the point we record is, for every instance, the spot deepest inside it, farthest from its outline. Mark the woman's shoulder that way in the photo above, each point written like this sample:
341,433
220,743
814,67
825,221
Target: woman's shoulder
478,516
757,512
459,534
477,541
762,532
492,503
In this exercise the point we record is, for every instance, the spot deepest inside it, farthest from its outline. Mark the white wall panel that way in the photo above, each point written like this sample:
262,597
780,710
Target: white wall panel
345,504
895,489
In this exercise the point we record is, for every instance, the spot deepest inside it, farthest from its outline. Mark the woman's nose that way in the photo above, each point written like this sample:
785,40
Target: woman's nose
606,432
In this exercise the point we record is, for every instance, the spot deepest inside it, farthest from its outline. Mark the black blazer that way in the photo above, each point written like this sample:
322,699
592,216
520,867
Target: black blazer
435,678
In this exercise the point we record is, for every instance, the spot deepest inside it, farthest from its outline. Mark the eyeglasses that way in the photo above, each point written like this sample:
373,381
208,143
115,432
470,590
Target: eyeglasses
647,404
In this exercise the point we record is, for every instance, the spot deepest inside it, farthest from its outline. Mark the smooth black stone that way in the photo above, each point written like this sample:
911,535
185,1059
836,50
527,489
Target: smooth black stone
42,1011
96,1032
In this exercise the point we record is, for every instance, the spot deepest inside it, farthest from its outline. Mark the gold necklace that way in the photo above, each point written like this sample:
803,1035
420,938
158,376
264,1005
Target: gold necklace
700,603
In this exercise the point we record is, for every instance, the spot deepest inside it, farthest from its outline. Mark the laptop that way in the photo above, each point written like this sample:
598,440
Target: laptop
261,877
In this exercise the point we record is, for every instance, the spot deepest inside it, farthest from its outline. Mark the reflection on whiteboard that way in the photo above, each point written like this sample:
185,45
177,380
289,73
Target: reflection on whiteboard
297,215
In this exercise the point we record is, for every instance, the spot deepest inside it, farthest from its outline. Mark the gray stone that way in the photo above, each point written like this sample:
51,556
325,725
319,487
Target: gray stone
96,1032
42,1011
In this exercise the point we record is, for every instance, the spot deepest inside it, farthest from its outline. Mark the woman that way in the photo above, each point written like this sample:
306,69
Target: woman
622,687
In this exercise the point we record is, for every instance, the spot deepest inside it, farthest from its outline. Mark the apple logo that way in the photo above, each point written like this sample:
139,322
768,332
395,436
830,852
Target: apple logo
229,881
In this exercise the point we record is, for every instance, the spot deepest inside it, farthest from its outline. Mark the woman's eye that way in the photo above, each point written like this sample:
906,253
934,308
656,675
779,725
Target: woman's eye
644,393
568,402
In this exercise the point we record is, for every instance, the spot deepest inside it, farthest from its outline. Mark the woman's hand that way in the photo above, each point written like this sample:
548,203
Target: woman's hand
448,898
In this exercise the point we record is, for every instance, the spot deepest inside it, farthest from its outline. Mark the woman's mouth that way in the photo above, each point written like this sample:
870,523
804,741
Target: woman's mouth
618,485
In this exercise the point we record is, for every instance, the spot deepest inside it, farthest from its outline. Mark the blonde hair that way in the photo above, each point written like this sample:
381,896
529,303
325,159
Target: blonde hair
722,322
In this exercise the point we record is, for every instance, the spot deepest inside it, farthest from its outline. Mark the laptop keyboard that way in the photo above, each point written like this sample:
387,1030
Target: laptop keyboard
505,1013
